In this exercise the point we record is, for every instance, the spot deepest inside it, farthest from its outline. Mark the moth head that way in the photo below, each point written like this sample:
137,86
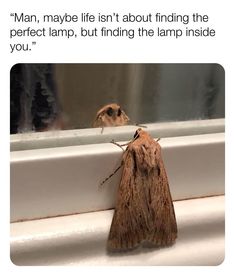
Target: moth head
114,111
112,115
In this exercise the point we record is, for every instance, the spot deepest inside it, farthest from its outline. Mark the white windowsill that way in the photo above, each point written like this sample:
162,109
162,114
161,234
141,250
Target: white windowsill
62,181
60,217
58,138
81,239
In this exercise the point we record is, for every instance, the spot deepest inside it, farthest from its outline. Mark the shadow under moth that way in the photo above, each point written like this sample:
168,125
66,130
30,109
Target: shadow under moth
144,210
110,115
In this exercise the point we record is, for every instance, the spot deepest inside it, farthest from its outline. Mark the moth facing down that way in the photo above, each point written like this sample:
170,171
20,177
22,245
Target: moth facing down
110,115
144,209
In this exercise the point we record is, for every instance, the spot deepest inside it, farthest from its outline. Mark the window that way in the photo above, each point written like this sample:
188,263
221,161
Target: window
58,160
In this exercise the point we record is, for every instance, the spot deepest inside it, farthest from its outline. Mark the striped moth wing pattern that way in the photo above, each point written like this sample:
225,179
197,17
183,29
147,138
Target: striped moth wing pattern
144,210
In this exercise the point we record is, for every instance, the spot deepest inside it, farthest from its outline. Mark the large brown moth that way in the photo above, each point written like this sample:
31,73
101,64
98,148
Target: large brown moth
110,115
144,210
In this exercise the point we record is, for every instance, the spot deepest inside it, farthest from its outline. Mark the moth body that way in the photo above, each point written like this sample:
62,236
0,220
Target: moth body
144,209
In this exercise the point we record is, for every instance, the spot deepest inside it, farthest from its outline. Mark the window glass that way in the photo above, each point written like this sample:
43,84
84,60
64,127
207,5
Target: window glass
68,96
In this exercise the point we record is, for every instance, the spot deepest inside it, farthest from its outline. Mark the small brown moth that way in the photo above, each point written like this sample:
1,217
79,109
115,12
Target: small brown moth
144,209
110,115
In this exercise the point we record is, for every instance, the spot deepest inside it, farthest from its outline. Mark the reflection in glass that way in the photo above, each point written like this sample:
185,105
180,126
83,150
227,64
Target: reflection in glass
111,115
68,96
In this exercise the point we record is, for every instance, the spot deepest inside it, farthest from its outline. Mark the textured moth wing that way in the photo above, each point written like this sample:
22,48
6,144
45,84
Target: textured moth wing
144,209
110,115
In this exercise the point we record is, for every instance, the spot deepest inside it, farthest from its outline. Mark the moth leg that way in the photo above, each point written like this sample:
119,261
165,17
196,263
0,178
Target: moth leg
102,124
120,146
123,145
107,178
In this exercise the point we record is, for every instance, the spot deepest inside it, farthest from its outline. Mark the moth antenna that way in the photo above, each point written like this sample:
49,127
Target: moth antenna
141,125
112,174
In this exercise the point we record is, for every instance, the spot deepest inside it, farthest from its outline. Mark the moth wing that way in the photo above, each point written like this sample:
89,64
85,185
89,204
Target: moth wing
144,208
130,222
98,121
164,231
125,117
